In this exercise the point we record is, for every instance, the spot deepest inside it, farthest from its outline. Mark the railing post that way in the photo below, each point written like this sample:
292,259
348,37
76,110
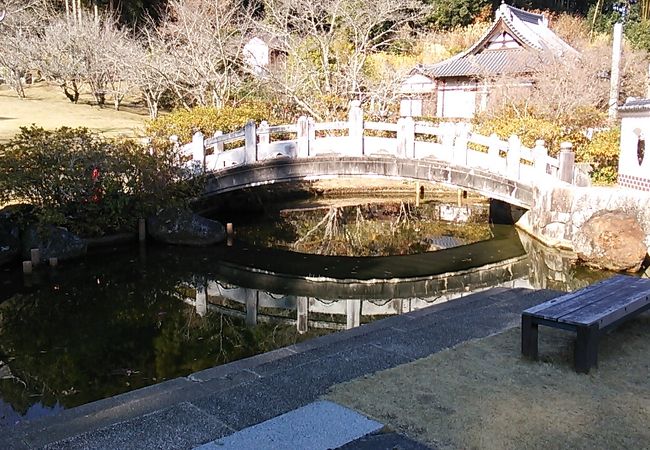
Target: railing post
566,162
311,135
302,137
263,133
355,127
540,156
493,151
406,137
198,152
460,144
513,158
219,147
447,139
250,137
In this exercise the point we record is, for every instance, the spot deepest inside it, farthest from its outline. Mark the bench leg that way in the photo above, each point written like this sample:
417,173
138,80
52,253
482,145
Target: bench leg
586,351
528,337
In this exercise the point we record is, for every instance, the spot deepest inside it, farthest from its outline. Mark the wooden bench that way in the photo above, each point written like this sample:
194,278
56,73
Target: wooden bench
589,312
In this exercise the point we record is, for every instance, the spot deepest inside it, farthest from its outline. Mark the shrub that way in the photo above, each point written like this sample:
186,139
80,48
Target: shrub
184,123
602,152
91,186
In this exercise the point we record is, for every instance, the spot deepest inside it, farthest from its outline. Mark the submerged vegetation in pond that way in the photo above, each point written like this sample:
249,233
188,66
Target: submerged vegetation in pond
367,230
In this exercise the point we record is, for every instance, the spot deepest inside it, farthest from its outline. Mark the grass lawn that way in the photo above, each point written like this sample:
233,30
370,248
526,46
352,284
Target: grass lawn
47,107
482,394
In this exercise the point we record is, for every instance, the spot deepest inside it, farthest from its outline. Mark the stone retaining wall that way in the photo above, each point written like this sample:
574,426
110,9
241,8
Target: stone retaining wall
559,212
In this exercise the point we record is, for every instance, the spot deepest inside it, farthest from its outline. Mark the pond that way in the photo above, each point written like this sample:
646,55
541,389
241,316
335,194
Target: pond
123,319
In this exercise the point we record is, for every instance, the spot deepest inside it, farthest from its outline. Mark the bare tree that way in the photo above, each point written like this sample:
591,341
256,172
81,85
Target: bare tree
563,85
205,40
327,44
22,21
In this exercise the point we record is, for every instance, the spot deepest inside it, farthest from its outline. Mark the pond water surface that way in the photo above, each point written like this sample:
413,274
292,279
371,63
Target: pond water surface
123,319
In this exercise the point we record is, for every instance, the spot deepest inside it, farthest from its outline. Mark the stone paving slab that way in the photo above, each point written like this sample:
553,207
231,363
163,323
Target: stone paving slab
178,427
384,441
321,425
229,398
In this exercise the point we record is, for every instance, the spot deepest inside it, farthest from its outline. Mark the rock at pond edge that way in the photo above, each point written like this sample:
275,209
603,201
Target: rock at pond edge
183,227
611,240
53,242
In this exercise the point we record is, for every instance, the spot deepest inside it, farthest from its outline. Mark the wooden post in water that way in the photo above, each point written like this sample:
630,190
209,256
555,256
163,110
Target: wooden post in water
142,230
53,262
27,267
35,255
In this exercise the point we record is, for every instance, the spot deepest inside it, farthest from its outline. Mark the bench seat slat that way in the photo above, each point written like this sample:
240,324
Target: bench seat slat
606,312
568,303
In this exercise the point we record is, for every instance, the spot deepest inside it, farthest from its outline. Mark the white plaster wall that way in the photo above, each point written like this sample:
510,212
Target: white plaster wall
634,125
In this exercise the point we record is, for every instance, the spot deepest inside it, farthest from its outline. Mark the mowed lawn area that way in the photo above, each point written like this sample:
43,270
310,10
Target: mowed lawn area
46,106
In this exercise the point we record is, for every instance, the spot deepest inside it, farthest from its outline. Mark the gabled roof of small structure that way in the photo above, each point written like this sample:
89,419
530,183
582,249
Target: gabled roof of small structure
635,105
517,42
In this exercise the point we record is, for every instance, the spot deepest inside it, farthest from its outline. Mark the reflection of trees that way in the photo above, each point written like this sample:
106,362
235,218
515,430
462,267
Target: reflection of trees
364,230
95,331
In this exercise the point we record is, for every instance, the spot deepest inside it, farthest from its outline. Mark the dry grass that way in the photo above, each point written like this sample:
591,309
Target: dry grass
46,106
482,394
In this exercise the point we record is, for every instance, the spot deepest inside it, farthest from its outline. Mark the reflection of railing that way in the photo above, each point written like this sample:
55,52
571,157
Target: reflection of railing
214,295
453,143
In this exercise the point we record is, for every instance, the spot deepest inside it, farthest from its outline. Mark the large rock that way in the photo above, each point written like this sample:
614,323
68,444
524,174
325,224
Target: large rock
9,242
611,240
182,227
53,242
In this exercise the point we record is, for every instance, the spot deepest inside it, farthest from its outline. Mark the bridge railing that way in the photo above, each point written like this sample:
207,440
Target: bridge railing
455,143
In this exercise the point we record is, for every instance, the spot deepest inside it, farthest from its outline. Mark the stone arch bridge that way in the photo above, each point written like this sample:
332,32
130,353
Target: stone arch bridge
554,190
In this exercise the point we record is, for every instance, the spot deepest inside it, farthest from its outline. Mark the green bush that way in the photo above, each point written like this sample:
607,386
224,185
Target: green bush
184,123
88,185
602,153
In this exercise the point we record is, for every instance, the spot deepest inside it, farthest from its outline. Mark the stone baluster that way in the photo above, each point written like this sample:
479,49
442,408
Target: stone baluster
352,313
494,153
513,158
566,162
219,147
406,137
302,313
355,128
264,135
540,156
198,152
303,137
447,138
252,300
201,300
460,144
250,146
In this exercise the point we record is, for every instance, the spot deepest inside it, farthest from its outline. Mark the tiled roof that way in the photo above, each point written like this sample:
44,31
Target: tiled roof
635,104
529,30
486,63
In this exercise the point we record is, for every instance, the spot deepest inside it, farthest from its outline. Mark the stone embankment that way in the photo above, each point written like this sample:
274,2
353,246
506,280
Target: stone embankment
608,228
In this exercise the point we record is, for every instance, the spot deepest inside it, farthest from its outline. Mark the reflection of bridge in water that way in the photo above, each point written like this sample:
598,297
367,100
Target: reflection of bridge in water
264,294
